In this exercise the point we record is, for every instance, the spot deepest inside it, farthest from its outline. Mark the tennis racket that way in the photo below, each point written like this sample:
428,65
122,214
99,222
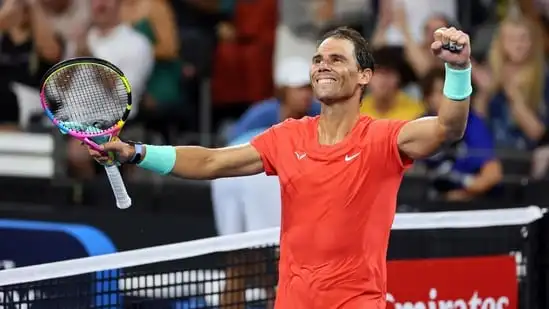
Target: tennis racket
90,100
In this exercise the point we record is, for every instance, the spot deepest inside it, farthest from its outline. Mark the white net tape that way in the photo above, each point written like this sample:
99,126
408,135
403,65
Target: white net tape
189,249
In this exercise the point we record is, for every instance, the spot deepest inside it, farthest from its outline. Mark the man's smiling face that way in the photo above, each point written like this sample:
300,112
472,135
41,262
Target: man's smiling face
335,73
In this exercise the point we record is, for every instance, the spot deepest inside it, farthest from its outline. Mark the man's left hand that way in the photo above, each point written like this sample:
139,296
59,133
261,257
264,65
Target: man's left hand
451,37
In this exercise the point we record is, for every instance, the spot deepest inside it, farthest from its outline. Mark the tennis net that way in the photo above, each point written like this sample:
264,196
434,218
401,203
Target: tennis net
240,271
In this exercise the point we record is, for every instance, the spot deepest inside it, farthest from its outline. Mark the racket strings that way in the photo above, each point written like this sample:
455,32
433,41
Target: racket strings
89,95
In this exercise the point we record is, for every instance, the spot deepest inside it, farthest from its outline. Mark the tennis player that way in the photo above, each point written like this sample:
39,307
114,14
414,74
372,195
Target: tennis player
339,172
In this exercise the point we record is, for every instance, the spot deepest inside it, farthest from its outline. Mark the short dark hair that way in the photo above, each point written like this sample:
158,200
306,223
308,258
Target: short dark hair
427,83
363,53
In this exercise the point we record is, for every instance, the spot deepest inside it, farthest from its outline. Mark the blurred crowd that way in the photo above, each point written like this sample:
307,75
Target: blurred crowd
227,68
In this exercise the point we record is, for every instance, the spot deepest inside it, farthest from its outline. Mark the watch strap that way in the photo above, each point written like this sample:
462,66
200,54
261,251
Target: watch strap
138,154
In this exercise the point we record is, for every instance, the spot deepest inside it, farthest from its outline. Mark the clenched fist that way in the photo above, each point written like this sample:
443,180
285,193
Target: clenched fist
453,47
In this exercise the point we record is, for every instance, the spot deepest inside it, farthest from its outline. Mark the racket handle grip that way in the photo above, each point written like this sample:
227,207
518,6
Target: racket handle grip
123,200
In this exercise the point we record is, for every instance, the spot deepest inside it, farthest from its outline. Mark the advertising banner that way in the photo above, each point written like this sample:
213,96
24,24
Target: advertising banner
453,283
25,243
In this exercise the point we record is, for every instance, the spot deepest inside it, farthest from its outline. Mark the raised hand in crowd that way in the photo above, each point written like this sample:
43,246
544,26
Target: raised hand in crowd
524,115
416,54
45,39
80,38
400,20
11,12
481,76
384,21
512,89
325,11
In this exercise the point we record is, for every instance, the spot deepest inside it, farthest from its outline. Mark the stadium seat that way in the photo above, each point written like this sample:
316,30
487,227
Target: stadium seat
26,155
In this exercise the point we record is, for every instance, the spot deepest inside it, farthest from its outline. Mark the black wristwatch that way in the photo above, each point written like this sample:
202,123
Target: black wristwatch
138,155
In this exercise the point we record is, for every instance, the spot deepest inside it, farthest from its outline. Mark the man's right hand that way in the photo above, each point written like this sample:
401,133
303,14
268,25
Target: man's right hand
123,152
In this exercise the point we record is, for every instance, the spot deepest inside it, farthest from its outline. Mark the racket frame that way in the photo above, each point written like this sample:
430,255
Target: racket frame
123,200
86,136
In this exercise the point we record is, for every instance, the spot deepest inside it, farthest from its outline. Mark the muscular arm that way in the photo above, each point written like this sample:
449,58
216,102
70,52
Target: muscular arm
165,30
420,138
44,37
193,162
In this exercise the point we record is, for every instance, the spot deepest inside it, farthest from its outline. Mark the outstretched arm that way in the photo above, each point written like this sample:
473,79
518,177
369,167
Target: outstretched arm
190,162
422,137
207,163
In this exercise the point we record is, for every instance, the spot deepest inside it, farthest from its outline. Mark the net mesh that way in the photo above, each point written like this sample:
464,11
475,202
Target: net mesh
86,95
238,271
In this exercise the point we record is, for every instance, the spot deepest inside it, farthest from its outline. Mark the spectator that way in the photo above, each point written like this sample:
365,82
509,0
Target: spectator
302,21
294,99
420,15
199,24
347,13
244,59
68,17
296,31
162,100
466,169
385,98
417,52
513,96
28,47
123,46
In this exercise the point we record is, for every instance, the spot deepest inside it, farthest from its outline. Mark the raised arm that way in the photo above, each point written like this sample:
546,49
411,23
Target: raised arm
421,138
190,162
419,59
378,39
46,42
10,13
165,30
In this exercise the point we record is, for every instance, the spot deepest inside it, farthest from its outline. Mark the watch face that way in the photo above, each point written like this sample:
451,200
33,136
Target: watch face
137,155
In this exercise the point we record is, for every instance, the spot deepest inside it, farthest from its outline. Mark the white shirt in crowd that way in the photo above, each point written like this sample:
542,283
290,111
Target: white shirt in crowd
130,51
417,13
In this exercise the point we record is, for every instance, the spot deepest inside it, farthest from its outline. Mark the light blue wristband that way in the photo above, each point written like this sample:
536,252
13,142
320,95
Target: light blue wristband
159,159
457,84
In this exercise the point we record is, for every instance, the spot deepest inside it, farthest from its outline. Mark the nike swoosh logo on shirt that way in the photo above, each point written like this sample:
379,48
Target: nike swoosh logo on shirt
300,156
350,158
